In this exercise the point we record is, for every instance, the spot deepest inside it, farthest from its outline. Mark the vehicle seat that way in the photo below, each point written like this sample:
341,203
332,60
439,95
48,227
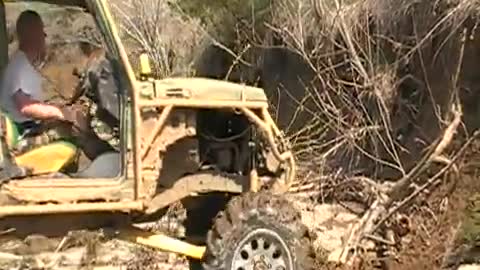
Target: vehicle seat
44,159
107,165
8,167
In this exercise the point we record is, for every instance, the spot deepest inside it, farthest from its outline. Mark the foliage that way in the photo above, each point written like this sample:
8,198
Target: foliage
222,18
151,26
470,230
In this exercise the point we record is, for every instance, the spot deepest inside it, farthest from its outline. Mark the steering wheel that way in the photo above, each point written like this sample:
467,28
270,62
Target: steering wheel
80,88
83,86
90,86
88,77
88,82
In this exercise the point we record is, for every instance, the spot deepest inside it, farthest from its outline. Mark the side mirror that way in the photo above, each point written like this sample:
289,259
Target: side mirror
145,69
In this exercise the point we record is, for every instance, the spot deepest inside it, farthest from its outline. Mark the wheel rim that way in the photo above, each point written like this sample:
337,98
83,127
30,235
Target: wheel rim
262,249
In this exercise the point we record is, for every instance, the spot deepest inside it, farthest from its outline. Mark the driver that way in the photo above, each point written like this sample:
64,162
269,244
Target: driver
21,94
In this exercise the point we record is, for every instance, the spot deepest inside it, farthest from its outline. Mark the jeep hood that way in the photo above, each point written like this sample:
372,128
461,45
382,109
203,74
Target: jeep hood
207,89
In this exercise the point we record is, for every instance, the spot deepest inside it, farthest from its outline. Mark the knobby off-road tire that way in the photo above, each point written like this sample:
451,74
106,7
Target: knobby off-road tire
261,229
201,213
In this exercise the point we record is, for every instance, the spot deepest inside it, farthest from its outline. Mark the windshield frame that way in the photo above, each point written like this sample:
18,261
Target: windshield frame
106,24
125,77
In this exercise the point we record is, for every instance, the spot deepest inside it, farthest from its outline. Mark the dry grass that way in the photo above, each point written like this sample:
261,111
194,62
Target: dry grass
154,27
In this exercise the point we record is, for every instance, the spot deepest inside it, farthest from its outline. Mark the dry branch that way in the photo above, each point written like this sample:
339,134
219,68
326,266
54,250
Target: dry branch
384,206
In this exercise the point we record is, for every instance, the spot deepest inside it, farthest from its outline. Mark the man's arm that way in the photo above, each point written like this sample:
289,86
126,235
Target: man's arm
35,109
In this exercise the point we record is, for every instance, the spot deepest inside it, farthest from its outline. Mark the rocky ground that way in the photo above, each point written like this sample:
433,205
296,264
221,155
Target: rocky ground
96,250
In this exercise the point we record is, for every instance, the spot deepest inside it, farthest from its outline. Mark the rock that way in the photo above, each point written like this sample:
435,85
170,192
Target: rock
469,267
329,221
39,243
334,256
38,252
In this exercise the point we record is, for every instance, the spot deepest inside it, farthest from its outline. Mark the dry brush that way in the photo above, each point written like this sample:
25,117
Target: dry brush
388,95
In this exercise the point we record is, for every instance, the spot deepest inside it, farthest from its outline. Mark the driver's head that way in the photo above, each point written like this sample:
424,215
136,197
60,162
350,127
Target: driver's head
31,35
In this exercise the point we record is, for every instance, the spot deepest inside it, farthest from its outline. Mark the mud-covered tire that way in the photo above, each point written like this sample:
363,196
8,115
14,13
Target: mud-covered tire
270,218
201,212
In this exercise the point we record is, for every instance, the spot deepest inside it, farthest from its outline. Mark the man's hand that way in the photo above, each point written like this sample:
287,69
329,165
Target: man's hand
35,109
41,111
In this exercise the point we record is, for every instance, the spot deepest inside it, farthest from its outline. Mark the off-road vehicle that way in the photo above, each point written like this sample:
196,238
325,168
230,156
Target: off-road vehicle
208,143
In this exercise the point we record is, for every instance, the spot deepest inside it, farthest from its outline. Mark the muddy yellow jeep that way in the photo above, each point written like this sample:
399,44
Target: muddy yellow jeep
209,144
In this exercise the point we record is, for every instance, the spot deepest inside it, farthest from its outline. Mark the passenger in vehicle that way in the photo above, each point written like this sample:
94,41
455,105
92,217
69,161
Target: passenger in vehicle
22,98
